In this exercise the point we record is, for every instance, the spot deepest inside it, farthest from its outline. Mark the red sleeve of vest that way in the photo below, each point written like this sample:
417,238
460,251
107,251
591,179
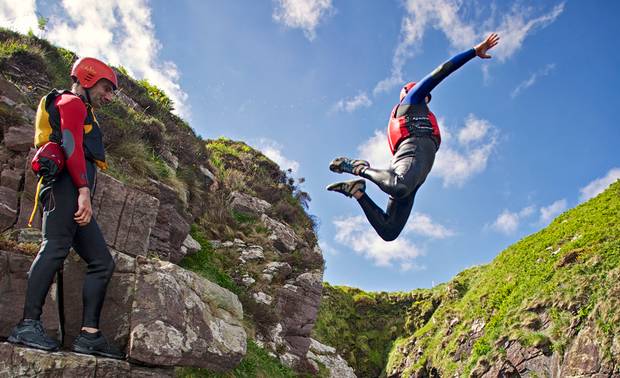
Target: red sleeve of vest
72,114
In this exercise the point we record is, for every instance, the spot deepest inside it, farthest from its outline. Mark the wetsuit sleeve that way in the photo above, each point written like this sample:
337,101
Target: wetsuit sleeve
426,85
72,114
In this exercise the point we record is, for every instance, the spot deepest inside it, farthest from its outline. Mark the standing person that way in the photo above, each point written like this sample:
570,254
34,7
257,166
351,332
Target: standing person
414,138
67,134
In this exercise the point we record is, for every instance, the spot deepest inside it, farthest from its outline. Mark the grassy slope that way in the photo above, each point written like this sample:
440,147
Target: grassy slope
562,273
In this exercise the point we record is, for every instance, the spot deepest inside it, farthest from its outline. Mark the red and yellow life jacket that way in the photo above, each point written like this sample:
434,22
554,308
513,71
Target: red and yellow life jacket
47,128
418,120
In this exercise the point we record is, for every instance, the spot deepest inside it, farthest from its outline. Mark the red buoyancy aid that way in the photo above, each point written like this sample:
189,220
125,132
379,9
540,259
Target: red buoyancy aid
407,125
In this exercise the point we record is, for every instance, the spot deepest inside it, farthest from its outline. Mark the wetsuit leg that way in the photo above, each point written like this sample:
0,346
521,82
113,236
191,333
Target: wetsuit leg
410,166
391,222
408,170
91,246
59,205
60,232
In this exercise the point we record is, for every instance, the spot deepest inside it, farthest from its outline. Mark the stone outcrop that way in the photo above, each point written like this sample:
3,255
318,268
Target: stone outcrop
246,204
179,318
326,355
17,361
125,215
13,279
19,138
282,236
299,299
171,225
8,207
160,313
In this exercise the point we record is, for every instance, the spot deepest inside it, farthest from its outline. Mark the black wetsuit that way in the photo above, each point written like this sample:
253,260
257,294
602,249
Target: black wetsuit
412,161
60,202
60,232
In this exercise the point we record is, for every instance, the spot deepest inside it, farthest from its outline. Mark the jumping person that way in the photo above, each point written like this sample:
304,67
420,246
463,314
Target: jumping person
66,125
414,138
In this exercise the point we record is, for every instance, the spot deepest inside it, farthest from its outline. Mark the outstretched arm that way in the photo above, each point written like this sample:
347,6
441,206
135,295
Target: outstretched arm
426,85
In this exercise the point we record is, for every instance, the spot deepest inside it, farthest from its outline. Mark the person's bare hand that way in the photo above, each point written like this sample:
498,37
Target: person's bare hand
85,211
486,45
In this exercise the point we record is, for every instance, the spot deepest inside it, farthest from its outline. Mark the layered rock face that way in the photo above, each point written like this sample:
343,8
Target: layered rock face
283,278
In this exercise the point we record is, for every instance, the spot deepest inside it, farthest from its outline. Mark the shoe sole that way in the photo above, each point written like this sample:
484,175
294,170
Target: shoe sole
332,187
17,340
83,350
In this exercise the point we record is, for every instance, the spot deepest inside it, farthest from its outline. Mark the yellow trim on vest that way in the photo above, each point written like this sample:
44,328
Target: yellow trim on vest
102,165
88,128
43,128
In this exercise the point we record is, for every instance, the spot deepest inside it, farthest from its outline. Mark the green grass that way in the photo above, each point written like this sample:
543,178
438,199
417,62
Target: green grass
207,263
257,363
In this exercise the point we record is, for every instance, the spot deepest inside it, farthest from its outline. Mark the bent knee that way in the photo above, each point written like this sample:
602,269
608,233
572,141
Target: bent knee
390,235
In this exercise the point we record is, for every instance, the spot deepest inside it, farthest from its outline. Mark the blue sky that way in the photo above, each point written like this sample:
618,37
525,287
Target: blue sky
527,134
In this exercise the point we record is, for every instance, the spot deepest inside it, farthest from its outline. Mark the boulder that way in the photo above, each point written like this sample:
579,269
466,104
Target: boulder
278,270
209,177
179,318
18,361
246,204
8,208
282,235
190,246
11,178
125,215
263,298
253,252
13,282
19,138
326,355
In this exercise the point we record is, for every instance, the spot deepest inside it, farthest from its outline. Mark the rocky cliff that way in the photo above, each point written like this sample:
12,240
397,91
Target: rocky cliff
217,263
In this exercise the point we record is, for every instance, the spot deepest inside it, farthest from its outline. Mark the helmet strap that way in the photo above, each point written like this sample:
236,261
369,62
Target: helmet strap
87,91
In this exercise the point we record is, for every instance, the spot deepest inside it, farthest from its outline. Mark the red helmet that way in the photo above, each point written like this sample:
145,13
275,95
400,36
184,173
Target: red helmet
407,87
88,71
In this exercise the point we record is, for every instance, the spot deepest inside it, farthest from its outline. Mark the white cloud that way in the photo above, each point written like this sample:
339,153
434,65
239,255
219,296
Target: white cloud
116,31
475,129
508,222
352,104
516,26
356,233
273,151
422,224
458,161
18,15
551,211
597,186
376,150
532,80
328,249
302,14
448,16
